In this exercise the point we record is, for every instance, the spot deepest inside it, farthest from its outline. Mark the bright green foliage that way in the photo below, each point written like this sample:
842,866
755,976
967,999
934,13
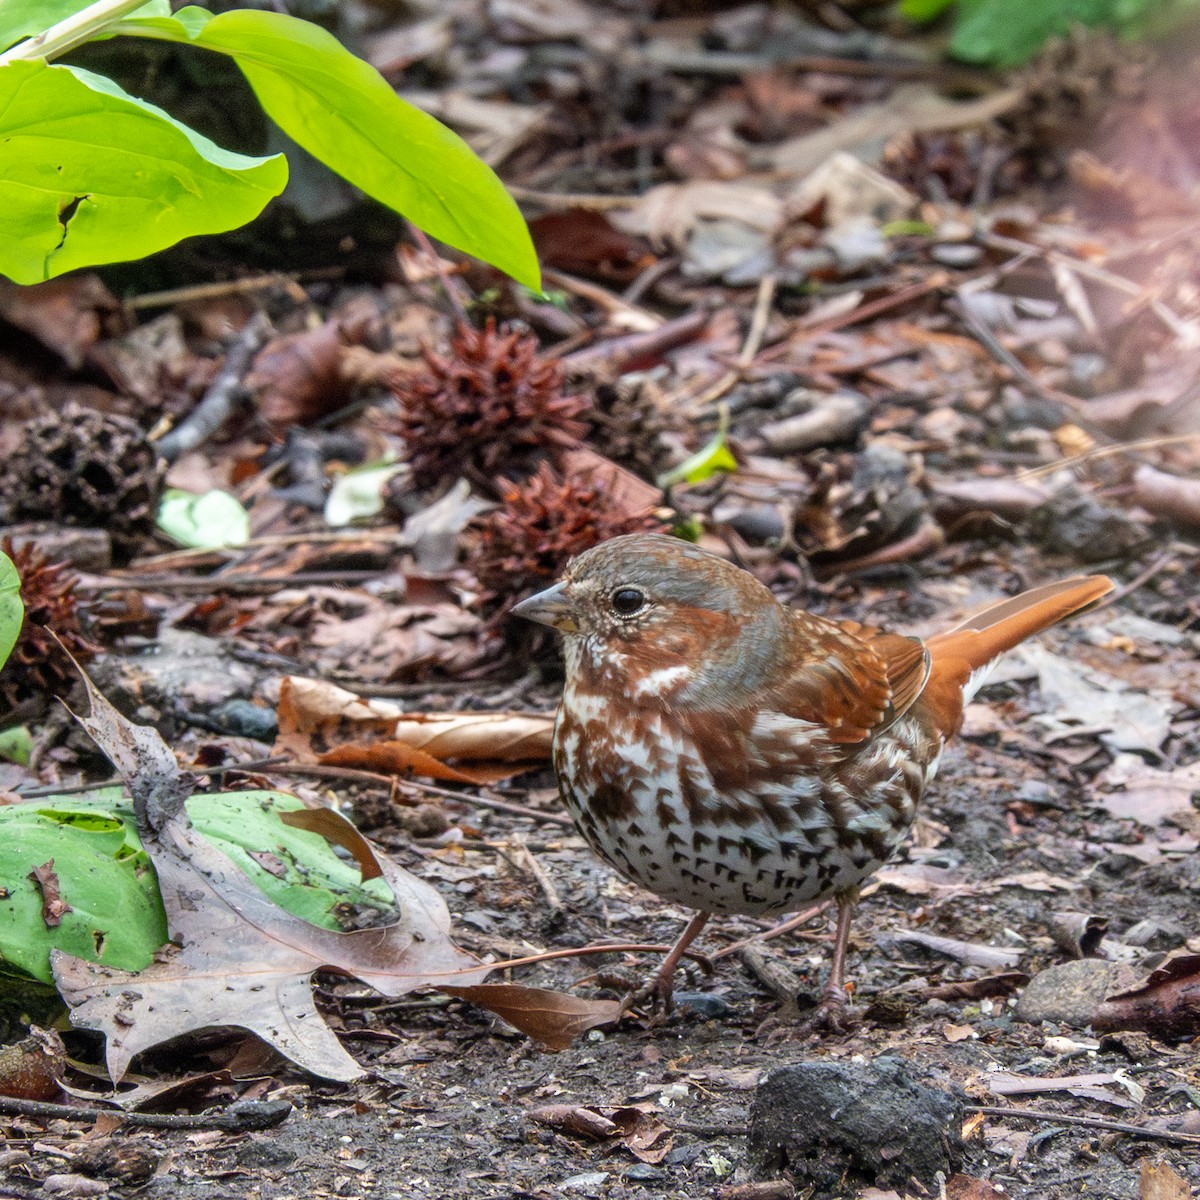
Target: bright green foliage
26,18
206,521
93,175
16,744
116,915
1006,33
295,868
712,457
136,180
12,611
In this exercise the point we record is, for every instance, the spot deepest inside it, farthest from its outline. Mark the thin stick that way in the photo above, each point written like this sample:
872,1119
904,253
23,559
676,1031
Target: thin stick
529,862
224,393
234,287
353,774
875,307
263,1115
753,343
1033,1114
801,918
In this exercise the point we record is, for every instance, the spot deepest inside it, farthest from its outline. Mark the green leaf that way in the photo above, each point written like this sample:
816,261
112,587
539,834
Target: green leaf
358,494
115,914
344,112
16,744
1003,34
203,522
12,611
27,18
295,868
706,462
924,10
92,175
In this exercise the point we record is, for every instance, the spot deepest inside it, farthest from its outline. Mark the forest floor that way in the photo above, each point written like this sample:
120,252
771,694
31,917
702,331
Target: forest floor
897,336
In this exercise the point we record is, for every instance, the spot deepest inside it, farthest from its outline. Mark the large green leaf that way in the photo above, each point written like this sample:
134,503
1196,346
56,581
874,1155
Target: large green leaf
27,18
115,914
12,611
91,175
344,112
1004,34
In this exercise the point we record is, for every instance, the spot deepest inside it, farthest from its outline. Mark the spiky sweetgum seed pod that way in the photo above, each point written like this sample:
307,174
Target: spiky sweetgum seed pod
37,666
488,402
542,524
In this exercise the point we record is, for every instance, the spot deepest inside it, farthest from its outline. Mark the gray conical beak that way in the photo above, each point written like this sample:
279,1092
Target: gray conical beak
550,607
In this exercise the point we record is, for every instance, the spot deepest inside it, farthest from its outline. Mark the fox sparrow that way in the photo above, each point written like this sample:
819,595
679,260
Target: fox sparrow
736,756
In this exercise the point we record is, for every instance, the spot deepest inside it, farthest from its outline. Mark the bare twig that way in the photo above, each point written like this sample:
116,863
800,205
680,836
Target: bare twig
1033,1114
223,393
289,283
252,1115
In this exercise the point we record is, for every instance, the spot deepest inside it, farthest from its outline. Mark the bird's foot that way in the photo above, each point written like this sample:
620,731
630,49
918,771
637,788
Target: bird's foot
833,1014
657,995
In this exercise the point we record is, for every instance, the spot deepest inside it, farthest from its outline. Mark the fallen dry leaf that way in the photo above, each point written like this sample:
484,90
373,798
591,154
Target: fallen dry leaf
1160,1181
555,1019
241,961
503,737
637,1126
1081,701
497,745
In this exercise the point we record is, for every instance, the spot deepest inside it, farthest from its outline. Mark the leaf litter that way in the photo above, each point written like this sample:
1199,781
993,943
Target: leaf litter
987,382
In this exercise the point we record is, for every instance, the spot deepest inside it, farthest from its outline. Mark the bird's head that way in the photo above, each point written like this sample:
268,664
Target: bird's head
660,616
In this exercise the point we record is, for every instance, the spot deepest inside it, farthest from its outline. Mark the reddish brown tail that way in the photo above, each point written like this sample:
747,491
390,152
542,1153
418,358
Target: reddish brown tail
962,655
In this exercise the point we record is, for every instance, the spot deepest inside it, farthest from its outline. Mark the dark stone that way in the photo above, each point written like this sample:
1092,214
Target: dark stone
836,1127
645,1173
703,1004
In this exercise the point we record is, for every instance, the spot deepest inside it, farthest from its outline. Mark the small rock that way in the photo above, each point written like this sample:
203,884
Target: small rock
704,1005
832,1125
956,254
243,718
1068,993
836,417
590,1183
645,1173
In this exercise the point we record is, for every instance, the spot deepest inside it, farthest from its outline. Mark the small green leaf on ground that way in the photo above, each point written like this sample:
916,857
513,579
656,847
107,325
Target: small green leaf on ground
707,461
358,494
203,522
16,744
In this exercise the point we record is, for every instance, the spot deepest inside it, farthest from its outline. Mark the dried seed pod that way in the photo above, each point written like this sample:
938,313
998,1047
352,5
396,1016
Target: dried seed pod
542,524
37,667
633,424
89,468
487,403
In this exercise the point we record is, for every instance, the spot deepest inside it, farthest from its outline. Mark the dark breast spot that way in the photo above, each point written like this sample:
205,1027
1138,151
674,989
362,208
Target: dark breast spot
611,803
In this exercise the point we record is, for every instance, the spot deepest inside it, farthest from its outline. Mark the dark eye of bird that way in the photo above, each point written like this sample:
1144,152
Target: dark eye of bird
627,601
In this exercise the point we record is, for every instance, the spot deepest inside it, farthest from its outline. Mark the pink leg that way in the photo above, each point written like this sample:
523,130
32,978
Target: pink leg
661,986
831,1011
